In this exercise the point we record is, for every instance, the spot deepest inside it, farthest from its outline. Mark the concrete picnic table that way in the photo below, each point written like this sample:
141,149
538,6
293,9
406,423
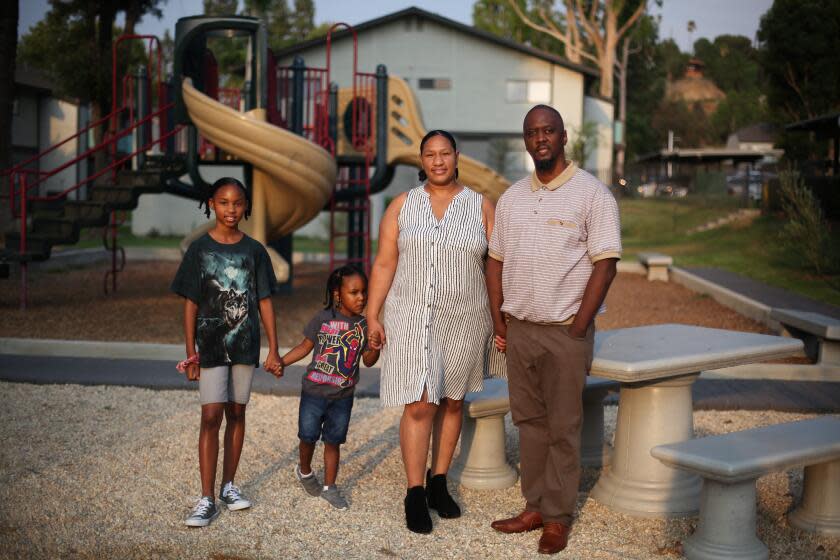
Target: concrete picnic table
656,366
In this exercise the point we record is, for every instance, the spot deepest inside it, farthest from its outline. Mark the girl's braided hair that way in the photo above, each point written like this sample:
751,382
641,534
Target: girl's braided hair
334,284
224,181
432,133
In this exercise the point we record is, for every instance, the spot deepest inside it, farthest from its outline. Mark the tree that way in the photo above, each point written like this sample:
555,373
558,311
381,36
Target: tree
499,18
8,48
645,89
592,32
687,122
799,42
731,62
642,33
73,44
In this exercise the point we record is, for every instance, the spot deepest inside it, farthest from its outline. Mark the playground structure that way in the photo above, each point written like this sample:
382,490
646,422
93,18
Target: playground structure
304,145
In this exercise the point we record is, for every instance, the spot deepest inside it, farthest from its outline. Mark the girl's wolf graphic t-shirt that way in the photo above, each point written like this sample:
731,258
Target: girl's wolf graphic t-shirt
226,281
339,342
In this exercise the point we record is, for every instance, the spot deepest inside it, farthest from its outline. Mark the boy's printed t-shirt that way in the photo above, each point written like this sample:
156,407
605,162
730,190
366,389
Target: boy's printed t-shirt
226,281
339,342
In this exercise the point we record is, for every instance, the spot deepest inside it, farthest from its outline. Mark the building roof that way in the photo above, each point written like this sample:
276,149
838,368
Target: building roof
827,125
446,22
759,132
32,78
706,155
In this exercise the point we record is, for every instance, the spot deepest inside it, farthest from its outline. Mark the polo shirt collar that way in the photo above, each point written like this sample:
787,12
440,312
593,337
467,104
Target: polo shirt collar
536,184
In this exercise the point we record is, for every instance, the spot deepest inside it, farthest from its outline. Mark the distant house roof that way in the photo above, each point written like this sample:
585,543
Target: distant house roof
446,22
759,132
826,125
33,79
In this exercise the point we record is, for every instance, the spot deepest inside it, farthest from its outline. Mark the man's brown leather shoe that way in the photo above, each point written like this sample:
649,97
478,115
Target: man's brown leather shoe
525,521
554,538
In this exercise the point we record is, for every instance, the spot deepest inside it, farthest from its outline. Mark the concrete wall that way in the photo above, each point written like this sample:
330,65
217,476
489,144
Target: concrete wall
600,112
167,214
25,122
475,108
59,121
478,71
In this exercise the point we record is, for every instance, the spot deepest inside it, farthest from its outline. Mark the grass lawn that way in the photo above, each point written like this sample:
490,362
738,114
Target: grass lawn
750,249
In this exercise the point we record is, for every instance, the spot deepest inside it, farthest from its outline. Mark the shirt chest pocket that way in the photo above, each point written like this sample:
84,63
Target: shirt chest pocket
563,230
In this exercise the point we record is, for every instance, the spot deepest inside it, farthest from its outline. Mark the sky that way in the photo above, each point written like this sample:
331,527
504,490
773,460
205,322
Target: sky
712,17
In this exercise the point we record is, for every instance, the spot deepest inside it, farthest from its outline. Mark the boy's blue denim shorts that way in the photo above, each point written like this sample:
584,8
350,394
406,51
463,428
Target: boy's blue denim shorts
327,419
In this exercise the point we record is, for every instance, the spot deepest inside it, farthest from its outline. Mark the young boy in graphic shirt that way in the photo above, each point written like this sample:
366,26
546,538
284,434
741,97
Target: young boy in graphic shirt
338,336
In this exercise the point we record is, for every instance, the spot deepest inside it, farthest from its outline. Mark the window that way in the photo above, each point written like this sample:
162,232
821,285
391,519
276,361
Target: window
522,91
434,83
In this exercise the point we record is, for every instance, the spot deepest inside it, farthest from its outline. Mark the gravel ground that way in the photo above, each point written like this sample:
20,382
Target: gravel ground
115,474
70,304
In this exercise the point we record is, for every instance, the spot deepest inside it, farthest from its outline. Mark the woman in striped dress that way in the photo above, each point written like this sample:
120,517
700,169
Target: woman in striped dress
437,333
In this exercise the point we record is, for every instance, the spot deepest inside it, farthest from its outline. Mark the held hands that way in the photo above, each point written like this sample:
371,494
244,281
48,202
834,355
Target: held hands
376,334
190,367
193,372
500,336
273,364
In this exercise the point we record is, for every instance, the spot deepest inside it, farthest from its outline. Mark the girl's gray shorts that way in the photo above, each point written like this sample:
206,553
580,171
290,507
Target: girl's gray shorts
226,384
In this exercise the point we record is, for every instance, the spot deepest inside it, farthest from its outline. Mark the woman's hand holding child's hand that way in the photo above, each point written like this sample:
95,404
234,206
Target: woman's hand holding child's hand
376,334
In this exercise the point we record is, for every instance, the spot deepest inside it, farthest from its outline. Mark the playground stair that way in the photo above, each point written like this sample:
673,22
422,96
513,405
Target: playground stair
59,222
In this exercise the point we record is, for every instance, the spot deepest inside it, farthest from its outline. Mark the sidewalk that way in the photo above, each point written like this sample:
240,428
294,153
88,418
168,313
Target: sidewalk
762,293
126,364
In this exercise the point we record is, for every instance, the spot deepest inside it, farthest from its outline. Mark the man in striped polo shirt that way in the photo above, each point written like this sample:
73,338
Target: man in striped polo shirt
553,254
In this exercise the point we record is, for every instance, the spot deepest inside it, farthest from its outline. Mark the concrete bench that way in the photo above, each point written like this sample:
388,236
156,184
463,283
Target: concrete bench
657,265
481,464
730,464
820,333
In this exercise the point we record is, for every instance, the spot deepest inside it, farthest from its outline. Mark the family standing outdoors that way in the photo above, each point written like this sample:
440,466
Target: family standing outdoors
465,291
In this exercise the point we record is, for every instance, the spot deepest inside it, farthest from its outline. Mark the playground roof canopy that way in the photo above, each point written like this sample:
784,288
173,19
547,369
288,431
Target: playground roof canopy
446,22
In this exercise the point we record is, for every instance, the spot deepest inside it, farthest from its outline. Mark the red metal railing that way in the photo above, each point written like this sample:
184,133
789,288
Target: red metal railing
122,121
355,179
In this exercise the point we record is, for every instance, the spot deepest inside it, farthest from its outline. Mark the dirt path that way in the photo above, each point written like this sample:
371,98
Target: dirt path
70,304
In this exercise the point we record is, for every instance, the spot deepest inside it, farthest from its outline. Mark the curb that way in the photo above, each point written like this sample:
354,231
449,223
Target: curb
116,350
747,307
98,349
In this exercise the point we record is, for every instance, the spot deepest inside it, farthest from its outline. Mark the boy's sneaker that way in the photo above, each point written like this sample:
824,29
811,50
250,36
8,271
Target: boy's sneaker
310,483
333,497
233,498
203,513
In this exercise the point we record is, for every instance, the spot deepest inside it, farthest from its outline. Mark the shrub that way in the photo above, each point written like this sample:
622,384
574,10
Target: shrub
806,232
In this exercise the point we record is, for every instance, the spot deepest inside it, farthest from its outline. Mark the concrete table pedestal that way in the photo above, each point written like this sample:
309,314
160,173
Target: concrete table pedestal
819,511
726,529
594,451
650,414
481,463
656,366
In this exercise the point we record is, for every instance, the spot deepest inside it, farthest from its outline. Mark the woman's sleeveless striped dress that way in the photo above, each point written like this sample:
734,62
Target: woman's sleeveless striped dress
437,316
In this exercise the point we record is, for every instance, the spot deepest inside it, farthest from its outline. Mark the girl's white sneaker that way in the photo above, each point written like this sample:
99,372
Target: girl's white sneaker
233,498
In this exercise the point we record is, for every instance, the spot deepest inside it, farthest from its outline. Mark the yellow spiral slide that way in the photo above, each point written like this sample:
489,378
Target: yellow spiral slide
293,178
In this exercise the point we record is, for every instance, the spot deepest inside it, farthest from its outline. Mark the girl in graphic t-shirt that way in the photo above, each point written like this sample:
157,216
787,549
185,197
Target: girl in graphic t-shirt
226,280
338,335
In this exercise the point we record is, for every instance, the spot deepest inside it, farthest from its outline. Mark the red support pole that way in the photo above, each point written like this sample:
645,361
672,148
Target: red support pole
22,249
113,252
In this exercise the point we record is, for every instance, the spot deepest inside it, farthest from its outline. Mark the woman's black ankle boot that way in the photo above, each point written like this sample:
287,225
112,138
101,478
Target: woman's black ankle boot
417,517
438,496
